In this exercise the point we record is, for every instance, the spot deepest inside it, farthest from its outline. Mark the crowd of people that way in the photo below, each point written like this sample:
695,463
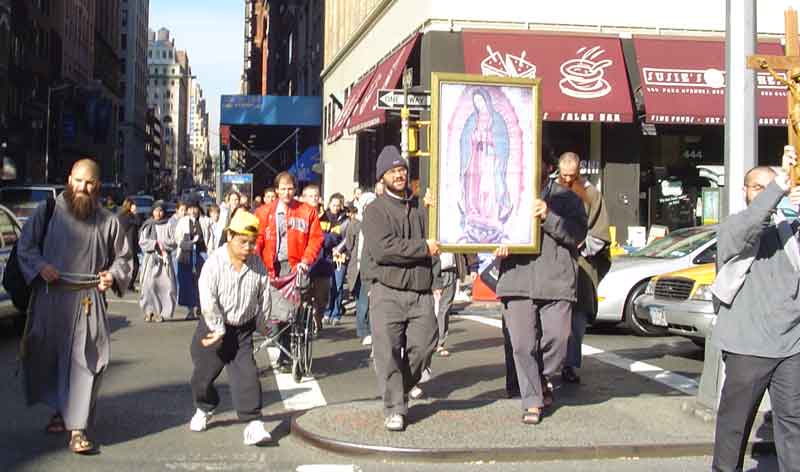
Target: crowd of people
225,268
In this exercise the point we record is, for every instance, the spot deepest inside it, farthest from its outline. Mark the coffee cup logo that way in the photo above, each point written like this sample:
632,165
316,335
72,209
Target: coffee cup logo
583,76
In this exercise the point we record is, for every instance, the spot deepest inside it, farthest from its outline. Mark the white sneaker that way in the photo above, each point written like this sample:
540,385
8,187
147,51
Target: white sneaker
416,393
200,420
395,422
367,340
255,433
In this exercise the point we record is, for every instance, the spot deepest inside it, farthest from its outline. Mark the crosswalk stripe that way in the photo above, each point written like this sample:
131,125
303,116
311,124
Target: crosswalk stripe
665,377
303,396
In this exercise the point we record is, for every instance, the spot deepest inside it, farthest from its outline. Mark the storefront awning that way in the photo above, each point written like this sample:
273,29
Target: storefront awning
683,82
349,106
387,74
583,77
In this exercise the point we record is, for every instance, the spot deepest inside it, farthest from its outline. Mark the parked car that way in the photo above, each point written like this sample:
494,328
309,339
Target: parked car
23,199
630,274
144,205
681,302
10,229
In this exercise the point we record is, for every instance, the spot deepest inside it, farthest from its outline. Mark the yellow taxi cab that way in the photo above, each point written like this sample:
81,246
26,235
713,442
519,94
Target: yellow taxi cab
680,301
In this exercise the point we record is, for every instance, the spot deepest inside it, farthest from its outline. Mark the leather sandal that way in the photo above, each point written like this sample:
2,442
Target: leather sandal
532,417
80,444
56,425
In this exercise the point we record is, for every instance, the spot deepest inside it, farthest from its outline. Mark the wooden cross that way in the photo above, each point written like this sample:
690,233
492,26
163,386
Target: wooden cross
87,305
790,63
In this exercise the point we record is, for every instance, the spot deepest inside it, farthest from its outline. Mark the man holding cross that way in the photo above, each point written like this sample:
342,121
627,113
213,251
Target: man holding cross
65,348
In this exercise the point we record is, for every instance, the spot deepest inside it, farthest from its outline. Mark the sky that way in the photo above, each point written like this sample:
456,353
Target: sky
212,33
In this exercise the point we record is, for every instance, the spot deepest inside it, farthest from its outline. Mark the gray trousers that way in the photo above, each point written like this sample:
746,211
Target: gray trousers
746,380
445,303
404,336
539,333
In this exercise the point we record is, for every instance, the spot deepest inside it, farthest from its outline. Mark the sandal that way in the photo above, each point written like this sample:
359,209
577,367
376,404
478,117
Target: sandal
547,397
80,444
532,417
56,425
443,352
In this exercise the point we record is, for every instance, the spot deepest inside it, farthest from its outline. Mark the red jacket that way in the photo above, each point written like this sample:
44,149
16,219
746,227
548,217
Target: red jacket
303,234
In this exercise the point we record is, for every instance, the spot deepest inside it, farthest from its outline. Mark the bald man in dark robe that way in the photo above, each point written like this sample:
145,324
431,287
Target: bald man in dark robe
65,348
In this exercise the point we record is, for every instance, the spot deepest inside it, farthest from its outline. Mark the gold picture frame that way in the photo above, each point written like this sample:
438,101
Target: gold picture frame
485,163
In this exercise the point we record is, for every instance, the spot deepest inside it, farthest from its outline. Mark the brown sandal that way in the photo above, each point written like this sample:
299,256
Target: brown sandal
56,425
80,444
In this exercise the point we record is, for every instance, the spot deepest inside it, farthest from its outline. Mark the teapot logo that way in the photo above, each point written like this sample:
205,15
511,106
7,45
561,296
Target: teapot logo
583,76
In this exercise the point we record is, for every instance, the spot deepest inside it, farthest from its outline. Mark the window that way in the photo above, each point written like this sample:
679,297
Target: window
124,41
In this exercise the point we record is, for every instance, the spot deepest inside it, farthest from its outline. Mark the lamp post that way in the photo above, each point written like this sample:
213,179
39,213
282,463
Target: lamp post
50,90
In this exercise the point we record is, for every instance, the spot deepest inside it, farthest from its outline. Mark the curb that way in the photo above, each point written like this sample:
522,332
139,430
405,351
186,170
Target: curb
514,454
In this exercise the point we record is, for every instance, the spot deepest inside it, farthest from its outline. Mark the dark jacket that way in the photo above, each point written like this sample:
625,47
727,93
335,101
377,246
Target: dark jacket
394,235
129,225
333,228
552,274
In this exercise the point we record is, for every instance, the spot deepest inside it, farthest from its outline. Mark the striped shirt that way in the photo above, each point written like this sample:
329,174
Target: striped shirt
230,297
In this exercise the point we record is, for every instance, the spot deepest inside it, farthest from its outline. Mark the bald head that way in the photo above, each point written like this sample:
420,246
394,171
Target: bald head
569,159
756,180
86,167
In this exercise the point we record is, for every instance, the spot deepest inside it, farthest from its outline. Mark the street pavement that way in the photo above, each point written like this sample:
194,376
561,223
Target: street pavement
632,394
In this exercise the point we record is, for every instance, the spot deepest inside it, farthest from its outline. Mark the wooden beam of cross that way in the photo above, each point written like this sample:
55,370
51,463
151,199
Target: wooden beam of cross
790,63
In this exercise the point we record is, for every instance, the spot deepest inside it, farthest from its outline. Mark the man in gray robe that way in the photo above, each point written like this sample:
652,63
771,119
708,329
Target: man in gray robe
159,289
65,348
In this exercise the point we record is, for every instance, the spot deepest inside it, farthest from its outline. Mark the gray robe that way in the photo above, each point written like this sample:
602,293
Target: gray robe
159,288
63,350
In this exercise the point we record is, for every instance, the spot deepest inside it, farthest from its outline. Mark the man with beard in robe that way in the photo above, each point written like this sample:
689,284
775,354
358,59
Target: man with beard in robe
65,348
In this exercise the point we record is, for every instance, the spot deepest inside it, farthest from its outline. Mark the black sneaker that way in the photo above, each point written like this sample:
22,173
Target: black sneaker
569,375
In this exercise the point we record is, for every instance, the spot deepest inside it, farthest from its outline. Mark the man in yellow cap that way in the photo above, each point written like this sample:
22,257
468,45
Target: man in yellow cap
234,291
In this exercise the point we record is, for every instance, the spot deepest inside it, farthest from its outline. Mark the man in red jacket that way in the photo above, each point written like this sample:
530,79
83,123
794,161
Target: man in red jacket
289,239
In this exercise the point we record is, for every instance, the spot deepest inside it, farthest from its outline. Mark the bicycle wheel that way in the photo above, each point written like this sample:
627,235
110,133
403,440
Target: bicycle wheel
297,349
308,325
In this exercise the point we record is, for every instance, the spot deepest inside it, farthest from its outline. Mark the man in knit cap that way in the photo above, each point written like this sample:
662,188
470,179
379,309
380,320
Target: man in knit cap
404,331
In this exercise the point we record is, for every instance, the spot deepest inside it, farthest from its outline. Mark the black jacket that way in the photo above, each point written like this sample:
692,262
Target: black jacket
394,235
552,274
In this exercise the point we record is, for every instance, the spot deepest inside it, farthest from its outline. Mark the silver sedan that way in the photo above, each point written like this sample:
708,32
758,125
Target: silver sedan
630,274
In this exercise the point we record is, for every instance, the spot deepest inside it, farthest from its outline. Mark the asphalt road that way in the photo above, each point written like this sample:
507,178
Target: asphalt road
145,402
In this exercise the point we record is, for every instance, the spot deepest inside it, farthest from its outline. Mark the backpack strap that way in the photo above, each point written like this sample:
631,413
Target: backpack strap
50,208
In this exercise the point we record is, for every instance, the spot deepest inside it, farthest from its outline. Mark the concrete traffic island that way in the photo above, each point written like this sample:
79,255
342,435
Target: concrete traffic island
492,430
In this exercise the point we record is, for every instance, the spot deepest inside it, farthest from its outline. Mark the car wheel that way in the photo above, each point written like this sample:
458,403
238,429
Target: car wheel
638,326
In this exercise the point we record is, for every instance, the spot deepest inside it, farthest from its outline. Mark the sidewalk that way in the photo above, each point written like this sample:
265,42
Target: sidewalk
491,430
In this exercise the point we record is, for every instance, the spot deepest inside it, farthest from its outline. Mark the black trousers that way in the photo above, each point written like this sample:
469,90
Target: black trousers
746,380
236,353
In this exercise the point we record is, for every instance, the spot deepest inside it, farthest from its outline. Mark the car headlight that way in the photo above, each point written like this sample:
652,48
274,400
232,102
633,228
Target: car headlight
703,292
651,287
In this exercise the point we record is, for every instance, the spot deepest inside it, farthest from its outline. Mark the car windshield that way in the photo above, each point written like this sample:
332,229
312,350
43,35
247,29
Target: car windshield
23,201
678,243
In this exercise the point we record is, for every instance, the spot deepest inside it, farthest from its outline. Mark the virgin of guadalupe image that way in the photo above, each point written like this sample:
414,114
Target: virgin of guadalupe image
484,203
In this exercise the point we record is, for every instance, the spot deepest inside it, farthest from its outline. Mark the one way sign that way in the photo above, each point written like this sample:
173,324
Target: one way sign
392,99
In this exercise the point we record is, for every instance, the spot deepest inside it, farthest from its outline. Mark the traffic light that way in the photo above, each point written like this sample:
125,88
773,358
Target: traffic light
413,139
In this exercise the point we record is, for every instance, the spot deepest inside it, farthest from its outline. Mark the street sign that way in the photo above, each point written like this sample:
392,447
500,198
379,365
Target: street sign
392,99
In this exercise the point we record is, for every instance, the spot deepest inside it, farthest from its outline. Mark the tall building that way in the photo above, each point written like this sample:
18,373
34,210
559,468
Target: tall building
135,166
283,56
167,93
78,33
30,64
198,133
105,94
157,181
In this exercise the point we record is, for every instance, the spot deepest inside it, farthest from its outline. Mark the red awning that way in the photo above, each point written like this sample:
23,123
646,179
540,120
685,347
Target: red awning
683,82
583,77
349,106
386,76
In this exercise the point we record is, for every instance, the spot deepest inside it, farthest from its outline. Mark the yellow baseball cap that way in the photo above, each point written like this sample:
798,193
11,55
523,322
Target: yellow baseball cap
244,222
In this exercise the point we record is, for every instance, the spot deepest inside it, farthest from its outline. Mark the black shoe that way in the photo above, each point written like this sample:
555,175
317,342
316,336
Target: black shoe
512,393
568,375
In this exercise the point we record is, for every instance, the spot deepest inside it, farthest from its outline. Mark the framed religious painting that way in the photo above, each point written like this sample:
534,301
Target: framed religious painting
485,147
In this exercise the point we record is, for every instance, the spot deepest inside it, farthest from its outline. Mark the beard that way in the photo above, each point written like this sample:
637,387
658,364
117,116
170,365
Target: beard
81,204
